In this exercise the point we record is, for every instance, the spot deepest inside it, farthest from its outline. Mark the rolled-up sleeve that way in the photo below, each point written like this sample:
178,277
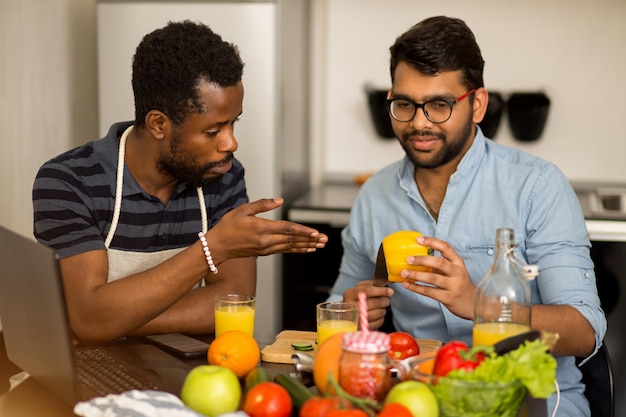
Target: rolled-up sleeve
561,247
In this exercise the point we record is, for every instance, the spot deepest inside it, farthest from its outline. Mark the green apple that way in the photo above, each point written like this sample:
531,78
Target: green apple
211,390
416,396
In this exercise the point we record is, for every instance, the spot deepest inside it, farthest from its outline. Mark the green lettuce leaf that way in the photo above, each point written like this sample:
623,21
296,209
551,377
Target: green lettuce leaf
531,364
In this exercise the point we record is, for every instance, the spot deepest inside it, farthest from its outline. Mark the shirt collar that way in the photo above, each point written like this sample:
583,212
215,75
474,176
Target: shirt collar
471,160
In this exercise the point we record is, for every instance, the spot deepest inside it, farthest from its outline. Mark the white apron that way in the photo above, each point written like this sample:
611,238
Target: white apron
124,263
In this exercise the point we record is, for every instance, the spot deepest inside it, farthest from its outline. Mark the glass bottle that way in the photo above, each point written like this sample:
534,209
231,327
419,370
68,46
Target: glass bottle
364,365
502,306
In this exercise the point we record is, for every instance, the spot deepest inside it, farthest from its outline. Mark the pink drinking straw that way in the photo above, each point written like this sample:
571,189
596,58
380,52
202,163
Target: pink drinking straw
365,327
370,386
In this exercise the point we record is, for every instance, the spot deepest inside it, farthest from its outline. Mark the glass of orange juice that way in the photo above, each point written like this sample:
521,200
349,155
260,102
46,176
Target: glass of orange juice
234,312
336,317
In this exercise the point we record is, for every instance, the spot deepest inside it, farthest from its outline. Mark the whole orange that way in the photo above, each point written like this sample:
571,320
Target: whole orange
327,361
235,350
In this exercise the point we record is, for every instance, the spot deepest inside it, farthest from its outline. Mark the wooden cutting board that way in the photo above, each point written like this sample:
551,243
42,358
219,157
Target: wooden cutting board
281,350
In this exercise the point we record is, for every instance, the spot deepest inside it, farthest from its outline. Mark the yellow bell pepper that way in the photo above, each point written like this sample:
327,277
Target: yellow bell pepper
397,247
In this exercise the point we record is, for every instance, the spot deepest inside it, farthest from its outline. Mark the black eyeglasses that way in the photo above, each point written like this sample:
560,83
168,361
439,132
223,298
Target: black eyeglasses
437,110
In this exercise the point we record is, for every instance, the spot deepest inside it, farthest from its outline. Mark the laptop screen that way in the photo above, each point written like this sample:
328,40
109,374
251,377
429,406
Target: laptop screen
34,318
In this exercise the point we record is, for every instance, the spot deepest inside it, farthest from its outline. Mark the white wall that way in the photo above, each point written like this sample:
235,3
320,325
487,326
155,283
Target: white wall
571,49
47,93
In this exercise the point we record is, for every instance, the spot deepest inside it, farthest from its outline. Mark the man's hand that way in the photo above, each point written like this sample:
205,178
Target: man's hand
240,233
378,299
449,283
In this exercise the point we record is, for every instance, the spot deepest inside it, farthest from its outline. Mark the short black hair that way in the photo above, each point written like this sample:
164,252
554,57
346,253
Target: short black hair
171,62
439,44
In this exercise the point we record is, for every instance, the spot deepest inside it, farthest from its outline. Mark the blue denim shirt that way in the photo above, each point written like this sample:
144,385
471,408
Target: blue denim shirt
494,186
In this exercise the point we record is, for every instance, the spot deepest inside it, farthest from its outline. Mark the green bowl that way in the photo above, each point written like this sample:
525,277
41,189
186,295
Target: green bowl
463,398
458,397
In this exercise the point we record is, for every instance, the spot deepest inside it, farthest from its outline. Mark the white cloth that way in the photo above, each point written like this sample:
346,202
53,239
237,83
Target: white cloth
140,404
135,403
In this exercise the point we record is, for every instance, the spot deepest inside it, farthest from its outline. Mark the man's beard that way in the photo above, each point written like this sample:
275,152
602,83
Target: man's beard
184,166
450,150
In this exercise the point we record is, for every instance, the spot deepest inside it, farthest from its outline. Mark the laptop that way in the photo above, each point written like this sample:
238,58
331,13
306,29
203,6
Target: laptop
38,337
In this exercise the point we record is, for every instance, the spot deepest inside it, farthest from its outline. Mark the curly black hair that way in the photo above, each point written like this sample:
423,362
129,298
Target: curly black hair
171,62
440,44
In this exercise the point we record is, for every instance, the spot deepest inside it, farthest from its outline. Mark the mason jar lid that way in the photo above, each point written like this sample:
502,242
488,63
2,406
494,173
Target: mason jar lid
370,342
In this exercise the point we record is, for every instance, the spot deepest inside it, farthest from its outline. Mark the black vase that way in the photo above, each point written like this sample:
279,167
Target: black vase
490,123
528,113
379,113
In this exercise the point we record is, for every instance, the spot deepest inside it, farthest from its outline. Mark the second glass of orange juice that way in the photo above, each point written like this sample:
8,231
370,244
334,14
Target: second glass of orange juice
336,317
234,312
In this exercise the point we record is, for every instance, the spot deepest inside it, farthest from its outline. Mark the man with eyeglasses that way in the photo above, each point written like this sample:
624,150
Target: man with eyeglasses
457,187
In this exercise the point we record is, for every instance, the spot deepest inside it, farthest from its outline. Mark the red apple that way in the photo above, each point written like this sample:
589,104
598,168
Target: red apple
416,396
211,390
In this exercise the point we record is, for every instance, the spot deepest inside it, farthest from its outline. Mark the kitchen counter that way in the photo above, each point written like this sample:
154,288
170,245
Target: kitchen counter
326,204
604,208
603,204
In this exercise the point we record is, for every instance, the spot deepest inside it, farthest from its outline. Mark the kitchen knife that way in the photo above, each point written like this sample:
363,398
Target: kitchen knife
381,277
513,342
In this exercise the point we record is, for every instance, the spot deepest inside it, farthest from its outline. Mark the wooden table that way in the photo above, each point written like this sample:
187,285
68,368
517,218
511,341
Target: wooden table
30,399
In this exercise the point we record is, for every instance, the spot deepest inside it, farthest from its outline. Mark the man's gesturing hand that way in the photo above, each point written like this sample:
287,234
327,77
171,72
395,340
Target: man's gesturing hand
240,233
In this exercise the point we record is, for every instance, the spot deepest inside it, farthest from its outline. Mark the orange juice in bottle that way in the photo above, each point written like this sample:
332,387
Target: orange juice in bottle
502,304
490,333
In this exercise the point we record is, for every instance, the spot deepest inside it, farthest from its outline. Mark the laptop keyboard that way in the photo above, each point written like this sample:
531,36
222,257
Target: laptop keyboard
105,375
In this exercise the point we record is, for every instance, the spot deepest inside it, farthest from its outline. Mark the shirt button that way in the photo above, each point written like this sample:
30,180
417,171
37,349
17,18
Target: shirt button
489,251
162,237
587,274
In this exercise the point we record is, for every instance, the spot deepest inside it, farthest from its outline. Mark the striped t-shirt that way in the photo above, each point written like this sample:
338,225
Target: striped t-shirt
74,198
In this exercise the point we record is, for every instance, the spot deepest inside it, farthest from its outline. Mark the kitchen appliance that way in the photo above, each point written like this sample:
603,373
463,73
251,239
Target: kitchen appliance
308,277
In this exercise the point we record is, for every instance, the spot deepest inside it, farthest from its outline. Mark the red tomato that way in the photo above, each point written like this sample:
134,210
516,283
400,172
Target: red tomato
320,406
268,399
355,412
403,345
394,410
